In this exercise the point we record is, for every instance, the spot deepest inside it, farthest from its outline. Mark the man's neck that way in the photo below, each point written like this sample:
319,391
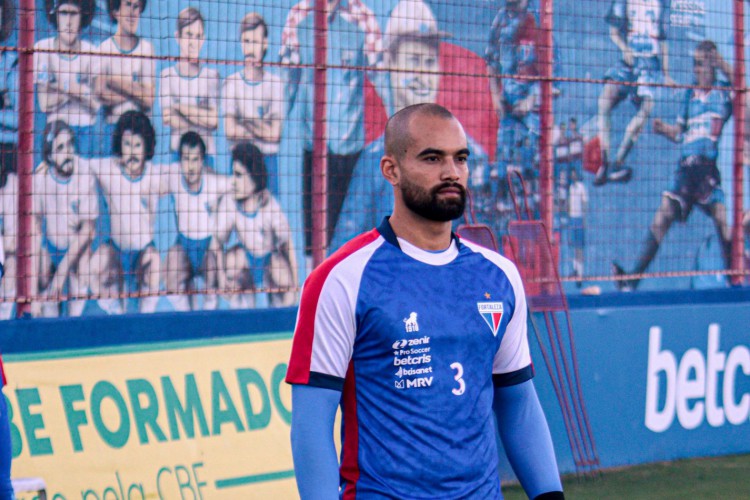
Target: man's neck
189,68
420,232
253,72
126,41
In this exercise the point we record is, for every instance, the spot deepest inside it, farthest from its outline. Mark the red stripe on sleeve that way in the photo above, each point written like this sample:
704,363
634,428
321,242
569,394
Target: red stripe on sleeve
350,458
301,357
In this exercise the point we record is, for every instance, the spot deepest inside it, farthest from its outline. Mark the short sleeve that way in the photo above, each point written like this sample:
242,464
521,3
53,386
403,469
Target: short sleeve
512,363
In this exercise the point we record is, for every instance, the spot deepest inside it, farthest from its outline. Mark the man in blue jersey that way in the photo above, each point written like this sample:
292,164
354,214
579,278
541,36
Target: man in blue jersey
419,336
697,182
639,29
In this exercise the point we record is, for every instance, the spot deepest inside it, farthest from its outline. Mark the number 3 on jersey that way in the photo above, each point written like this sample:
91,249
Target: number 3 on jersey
459,378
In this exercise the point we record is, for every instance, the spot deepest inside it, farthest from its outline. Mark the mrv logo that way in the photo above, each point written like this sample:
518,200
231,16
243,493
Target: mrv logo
691,387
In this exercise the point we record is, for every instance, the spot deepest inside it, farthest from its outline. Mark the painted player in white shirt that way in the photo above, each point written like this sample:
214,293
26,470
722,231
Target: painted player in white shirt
127,68
189,91
8,231
130,261
65,208
253,98
196,191
264,239
64,71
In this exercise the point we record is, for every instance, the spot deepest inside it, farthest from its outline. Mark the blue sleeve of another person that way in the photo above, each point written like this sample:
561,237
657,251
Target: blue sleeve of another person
316,466
526,438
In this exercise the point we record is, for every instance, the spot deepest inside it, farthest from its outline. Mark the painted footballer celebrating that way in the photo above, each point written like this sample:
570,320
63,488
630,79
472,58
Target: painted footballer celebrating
420,337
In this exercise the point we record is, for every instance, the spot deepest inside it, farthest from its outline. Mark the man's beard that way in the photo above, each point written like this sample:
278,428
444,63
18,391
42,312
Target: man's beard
427,204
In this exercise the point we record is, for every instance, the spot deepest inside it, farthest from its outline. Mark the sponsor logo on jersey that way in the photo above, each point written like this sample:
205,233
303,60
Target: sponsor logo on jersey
400,344
412,360
410,323
407,372
416,383
492,313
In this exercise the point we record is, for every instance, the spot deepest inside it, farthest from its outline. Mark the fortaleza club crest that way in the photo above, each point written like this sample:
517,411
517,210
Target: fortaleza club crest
492,312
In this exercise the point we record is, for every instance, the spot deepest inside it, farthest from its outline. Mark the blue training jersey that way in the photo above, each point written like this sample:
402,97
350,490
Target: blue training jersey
416,341
702,118
641,23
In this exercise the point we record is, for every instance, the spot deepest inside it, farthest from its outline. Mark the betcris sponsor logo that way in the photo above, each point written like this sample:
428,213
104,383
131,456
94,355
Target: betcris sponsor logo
696,388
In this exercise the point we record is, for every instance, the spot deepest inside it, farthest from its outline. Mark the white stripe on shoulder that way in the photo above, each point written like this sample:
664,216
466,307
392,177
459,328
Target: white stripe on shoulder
335,316
500,261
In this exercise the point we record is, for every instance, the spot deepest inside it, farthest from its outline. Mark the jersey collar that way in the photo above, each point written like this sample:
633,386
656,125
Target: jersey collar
386,231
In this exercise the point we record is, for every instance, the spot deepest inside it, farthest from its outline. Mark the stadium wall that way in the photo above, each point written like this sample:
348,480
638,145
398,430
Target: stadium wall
127,407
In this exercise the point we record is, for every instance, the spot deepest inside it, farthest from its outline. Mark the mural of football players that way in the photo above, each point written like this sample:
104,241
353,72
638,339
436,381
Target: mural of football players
355,42
196,191
639,30
252,98
127,69
129,262
65,209
189,91
64,71
264,251
697,182
8,156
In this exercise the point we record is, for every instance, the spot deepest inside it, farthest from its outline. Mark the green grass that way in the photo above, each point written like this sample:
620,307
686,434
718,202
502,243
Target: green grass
705,478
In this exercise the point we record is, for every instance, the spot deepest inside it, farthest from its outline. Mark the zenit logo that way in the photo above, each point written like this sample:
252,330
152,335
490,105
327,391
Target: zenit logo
400,344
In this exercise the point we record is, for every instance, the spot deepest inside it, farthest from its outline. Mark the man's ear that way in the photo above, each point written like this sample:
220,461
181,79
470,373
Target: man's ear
389,169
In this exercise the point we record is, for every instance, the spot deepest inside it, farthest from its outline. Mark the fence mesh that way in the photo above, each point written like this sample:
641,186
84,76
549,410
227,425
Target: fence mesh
179,148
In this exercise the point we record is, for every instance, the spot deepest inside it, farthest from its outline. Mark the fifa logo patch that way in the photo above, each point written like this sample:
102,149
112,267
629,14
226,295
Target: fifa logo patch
492,313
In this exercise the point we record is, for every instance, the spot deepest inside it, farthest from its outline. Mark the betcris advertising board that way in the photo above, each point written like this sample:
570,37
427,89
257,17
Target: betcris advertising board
661,382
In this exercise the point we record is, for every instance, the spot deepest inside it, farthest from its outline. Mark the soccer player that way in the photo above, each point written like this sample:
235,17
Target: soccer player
253,99
698,182
127,74
578,200
419,374
130,261
196,192
65,210
355,42
512,50
8,156
64,71
189,91
639,29
262,228
412,55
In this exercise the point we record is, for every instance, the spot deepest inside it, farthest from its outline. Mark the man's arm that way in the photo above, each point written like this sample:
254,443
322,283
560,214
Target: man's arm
664,49
671,131
315,463
527,441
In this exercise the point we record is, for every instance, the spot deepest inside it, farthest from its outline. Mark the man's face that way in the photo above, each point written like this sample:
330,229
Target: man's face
191,164
434,170
190,40
417,81
133,153
63,153
243,185
703,69
68,23
254,45
128,16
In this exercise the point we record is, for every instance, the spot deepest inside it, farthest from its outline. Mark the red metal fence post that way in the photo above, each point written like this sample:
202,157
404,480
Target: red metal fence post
25,273
739,141
546,119
319,205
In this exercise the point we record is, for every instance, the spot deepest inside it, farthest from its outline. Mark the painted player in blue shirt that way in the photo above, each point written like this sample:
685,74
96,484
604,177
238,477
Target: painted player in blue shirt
419,336
697,181
639,29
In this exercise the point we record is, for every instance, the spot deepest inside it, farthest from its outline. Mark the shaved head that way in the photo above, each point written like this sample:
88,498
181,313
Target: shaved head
397,135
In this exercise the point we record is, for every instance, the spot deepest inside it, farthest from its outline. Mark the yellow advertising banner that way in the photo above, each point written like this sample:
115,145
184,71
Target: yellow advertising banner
180,420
